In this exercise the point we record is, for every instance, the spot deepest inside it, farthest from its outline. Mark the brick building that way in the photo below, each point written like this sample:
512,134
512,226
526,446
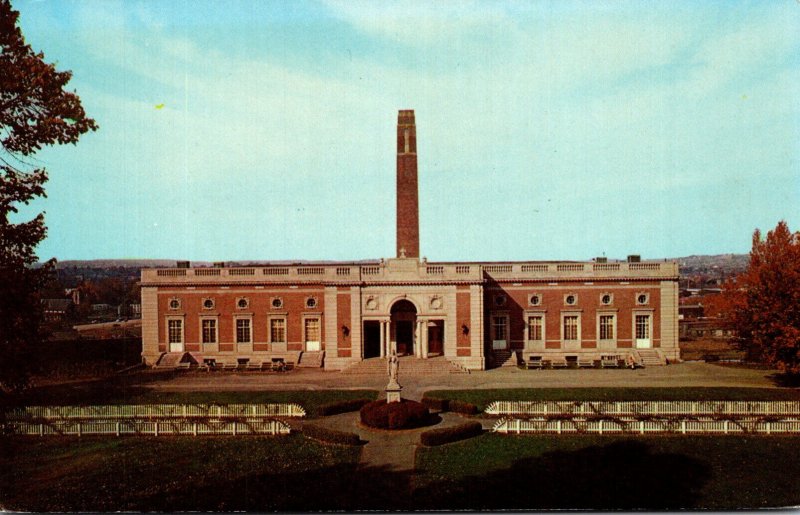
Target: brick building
474,314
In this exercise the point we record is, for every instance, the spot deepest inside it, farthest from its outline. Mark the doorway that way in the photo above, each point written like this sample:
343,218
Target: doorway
642,331
372,339
435,337
404,318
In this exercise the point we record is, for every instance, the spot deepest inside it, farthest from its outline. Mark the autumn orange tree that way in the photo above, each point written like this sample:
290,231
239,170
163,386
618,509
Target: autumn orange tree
35,111
762,304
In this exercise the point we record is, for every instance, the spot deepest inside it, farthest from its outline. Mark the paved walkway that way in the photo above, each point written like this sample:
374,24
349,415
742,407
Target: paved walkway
677,375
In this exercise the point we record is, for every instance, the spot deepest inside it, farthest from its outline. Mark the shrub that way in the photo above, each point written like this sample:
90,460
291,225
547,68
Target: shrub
330,435
451,434
466,408
335,408
405,414
434,404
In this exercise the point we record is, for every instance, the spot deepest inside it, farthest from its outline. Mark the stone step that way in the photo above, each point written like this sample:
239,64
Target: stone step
311,359
409,366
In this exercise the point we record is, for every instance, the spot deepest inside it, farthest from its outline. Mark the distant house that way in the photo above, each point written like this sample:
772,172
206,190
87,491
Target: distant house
55,310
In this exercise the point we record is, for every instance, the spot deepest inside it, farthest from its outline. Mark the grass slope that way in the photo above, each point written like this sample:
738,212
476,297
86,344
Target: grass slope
174,474
609,472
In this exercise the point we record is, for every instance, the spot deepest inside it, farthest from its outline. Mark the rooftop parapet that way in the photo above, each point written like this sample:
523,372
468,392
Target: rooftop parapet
412,270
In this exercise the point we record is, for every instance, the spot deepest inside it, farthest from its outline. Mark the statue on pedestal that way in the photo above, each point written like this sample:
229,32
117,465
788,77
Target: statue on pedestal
393,388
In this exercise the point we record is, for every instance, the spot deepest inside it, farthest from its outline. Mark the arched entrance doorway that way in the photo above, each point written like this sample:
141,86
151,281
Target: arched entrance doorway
404,319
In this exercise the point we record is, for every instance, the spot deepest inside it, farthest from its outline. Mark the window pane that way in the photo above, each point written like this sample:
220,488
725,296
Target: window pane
242,330
175,331
535,328
642,327
312,330
499,328
277,330
607,327
571,327
209,331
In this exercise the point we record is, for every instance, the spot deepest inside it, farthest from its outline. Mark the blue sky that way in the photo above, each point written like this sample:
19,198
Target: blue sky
547,130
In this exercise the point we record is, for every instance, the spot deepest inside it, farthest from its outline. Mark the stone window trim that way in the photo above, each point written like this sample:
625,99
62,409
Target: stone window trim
614,323
650,323
270,319
242,303
642,298
311,302
570,299
535,299
208,316
207,303
236,318
174,304
500,300
571,313
606,296
276,303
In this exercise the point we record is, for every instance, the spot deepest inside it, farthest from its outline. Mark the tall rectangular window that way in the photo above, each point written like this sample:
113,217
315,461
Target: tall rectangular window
242,330
606,327
570,327
536,327
312,334
209,327
175,330
277,330
642,327
499,328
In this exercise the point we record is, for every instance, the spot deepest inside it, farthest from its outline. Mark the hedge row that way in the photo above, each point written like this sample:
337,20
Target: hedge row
335,408
405,414
453,405
330,435
451,434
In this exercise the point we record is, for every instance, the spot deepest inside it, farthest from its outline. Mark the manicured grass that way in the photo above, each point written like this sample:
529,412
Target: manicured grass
610,472
482,398
174,473
311,400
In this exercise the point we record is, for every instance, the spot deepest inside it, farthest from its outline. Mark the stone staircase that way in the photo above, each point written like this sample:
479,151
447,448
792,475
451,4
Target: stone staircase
173,359
409,367
503,358
651,357
311,359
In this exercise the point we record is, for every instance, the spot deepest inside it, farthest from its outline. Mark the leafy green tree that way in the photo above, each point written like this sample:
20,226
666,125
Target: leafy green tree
763,303
35,111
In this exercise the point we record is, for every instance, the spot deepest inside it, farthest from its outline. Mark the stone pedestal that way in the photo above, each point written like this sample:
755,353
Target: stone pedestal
393,392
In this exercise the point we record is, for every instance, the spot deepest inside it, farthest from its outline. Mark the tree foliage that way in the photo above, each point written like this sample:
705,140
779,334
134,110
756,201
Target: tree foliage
763,303
35,111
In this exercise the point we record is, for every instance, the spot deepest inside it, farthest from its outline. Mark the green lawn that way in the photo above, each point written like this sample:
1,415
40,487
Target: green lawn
311,400
174,473
609,472
482,398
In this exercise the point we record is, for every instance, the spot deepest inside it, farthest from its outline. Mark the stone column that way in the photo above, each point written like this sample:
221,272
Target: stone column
383,338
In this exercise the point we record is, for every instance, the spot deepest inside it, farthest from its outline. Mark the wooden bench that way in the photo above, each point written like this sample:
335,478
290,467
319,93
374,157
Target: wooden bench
254,365
534,362
585,362
559,364
229,365
609,362
184,365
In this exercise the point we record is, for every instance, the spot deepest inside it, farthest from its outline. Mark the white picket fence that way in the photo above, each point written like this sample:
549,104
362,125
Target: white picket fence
152,419
156,411
650,426
144,427
656,408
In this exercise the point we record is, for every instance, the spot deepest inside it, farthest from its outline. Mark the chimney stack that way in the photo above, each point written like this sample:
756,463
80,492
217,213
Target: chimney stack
407,189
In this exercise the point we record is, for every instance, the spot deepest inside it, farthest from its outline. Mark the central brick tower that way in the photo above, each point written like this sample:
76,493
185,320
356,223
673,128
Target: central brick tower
407,195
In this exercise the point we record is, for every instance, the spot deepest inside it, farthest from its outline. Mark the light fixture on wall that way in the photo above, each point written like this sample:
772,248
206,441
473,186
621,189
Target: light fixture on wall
345,331
464,329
